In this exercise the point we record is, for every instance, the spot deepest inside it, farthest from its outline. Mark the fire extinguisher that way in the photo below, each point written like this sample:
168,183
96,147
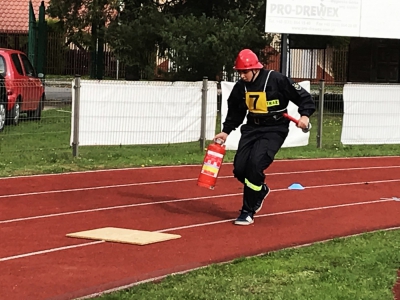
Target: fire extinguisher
212,164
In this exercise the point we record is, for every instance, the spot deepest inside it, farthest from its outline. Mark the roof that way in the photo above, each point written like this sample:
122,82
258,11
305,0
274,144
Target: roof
15,15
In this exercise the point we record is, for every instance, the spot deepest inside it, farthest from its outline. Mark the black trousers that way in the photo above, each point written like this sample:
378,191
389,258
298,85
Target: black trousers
256,151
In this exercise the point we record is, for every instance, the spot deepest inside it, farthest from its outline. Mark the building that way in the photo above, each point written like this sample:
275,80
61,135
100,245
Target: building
15,15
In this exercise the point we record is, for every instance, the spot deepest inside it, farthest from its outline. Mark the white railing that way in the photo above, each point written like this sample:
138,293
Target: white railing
371,114
142,112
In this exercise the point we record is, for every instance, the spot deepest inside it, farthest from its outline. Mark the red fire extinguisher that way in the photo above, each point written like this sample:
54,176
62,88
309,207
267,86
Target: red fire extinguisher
212,164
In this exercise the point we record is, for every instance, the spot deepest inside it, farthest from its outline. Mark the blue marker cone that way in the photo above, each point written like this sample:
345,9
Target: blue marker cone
296,186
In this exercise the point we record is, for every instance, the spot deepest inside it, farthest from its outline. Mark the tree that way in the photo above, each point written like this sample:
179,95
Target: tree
135,33
84,22
202,46
199,37
207,35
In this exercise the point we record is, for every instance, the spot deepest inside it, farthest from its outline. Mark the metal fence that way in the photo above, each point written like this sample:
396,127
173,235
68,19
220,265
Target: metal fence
63,56
66,58
328,117
313,65
53,131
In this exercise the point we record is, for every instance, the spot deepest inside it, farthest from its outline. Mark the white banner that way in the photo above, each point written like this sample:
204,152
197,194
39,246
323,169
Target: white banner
143,112
386,16
330,17
371,114
358,18
296,136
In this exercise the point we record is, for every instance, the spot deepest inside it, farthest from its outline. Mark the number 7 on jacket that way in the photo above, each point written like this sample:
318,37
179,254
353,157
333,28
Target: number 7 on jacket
257,102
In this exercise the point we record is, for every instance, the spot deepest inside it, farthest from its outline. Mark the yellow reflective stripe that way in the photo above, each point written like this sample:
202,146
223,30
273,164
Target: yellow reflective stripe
273,103
252,186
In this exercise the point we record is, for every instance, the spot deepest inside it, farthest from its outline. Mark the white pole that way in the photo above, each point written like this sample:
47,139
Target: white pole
117,69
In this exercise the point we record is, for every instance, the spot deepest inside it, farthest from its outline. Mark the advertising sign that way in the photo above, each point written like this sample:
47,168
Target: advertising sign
356,18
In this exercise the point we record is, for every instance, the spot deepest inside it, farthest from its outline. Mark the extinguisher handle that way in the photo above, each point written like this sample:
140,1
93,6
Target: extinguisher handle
305,130
287,116
219,141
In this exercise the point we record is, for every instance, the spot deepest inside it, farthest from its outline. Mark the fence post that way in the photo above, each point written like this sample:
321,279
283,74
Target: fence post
320,112
75,138
203,113
32,36
117,69
284,67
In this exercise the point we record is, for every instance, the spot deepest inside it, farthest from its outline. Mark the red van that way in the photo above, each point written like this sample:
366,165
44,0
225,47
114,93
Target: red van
24,87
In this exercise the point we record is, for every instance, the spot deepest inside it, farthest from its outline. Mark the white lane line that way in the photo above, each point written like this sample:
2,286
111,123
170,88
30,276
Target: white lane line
278,214
333,170
49,251
180,200
94,188
201,225
392,198
115,207
180,180
197,165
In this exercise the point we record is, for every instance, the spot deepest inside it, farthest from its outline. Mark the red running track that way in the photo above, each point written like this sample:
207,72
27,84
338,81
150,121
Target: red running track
342,197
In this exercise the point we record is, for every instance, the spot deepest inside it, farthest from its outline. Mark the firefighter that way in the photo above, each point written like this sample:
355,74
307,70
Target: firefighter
264,96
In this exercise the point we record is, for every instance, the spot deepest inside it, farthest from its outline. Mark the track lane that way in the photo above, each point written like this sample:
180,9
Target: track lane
289,218
78,272
60,201
46,233
27,184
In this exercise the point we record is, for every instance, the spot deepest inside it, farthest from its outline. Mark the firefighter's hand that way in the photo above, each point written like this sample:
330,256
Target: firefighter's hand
222,135
303,122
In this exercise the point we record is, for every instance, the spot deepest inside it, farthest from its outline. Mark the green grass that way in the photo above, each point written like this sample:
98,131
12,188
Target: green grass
329,88
356,268
43,147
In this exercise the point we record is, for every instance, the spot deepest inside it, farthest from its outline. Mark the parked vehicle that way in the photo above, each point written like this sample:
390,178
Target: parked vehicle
3,99
24,87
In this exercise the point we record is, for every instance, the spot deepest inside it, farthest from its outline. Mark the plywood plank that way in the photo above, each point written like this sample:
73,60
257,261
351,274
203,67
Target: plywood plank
122,235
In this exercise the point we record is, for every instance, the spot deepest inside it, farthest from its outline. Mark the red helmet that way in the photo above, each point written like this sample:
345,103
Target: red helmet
247,60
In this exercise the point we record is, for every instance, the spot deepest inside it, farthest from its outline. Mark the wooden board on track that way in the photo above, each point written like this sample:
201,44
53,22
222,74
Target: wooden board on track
122,235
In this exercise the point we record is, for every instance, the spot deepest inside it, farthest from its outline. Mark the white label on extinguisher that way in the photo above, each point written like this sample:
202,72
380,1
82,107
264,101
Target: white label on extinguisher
213,153
212,163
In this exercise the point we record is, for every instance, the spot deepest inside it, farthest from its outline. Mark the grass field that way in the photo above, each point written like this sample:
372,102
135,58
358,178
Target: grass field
362,267
43,147
356,268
